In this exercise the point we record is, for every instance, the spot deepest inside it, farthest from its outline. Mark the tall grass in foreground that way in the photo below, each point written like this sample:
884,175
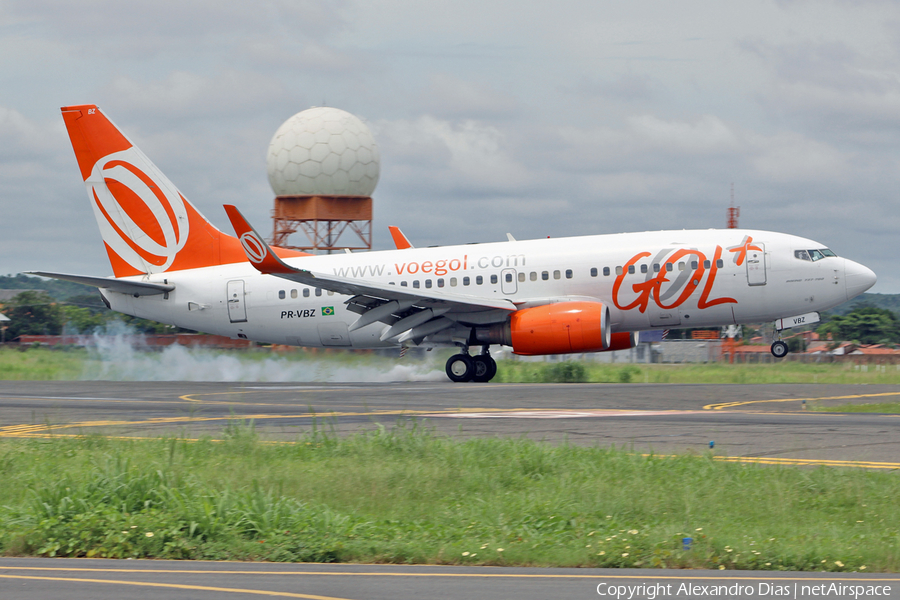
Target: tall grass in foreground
406,496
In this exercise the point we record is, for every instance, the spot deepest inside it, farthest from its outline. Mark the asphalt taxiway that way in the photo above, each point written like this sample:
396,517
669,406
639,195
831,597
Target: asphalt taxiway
770,424
766,423
89,579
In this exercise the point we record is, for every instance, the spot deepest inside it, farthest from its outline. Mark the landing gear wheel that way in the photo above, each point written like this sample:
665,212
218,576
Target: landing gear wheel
485,368
779,349
460,367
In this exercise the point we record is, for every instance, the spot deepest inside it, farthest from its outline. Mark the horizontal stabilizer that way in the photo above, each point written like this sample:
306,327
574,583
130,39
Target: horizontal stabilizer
123,286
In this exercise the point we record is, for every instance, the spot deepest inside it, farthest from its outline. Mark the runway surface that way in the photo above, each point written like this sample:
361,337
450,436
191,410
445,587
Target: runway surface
88,579
760,422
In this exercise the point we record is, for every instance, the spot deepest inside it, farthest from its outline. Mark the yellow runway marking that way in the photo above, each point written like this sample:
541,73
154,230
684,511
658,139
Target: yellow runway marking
766,460
408,574
177,586
23,430
193,399
722,405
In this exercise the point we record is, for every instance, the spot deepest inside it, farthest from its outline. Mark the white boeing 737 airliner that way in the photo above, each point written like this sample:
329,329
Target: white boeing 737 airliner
545,296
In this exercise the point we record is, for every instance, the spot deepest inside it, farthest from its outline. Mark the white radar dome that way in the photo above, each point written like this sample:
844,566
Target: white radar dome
323,152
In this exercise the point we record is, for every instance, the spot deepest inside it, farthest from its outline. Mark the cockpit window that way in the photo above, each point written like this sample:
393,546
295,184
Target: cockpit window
813,255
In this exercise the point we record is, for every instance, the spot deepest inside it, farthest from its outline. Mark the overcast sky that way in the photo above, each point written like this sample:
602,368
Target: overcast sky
531,117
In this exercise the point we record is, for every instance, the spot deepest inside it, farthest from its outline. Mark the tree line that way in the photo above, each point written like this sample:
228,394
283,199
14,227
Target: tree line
38,313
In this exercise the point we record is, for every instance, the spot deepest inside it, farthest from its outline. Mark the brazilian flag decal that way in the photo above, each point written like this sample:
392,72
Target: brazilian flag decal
327,311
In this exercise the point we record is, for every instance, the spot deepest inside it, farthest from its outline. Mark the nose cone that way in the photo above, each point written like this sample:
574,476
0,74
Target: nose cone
858,278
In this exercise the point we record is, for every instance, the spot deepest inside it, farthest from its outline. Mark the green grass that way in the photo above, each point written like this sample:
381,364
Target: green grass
76,363
407,496
41,364
784,372
883,407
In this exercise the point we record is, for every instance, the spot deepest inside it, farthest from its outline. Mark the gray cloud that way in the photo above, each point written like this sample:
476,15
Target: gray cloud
546,120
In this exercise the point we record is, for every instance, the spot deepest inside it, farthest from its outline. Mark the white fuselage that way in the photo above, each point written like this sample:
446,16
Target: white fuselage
716,277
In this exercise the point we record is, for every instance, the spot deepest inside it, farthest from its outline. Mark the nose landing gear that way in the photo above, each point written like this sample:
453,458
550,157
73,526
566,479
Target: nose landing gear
779,349
480,368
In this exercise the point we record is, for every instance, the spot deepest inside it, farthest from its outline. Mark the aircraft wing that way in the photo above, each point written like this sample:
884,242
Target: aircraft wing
124,286
368,295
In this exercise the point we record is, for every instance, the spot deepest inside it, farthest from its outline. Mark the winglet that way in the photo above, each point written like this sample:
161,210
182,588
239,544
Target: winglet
399,239
258,251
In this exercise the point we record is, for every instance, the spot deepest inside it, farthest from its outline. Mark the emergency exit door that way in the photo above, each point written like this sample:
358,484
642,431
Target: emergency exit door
237,309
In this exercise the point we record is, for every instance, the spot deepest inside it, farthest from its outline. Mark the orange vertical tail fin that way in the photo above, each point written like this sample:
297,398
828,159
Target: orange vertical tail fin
147,225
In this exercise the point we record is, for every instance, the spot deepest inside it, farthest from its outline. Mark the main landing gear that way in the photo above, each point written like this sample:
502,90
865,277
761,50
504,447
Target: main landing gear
480,368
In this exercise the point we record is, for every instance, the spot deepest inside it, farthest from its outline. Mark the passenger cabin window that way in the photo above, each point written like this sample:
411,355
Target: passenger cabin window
707,264
479,280
569,273
453,282
720,263
403,284
416,283
593,271
509,278
521,277
618,270
556,275
545,275
695,265
656,267
440,282
631,269
533,276
428,283
281,294
306,292
318,291
466,280
493,279
643,268
606,271
293,293
669,267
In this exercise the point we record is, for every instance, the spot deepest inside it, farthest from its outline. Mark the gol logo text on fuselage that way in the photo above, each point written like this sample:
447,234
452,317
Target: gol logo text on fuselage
674,278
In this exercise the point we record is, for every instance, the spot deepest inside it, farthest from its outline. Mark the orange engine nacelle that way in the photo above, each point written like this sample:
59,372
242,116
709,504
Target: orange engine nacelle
560,328
623,340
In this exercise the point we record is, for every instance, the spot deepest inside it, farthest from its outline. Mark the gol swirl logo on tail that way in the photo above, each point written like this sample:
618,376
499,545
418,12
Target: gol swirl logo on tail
142,218
254,248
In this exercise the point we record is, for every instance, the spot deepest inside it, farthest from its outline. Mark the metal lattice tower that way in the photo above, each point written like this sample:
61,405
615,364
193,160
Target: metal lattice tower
324,219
